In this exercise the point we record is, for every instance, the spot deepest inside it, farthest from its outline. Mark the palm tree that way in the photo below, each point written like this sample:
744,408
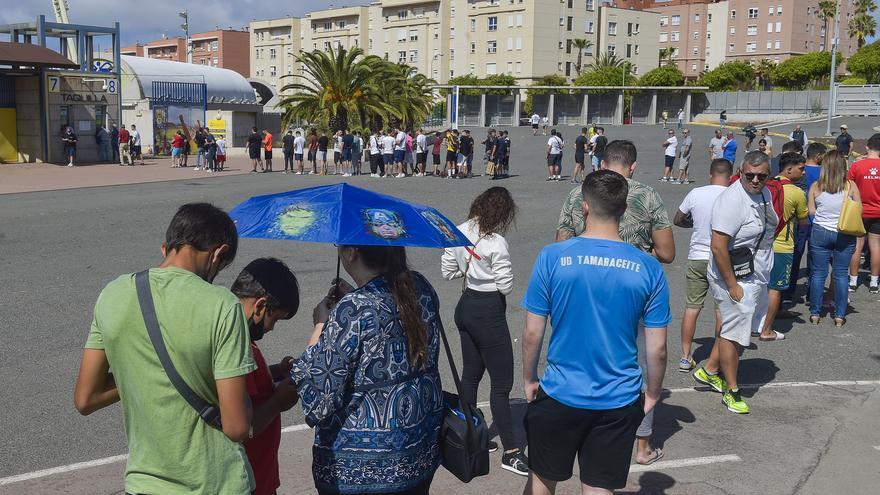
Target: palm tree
335,84
763,70
862,25
580,44
606,60
408,96
827,11
666,54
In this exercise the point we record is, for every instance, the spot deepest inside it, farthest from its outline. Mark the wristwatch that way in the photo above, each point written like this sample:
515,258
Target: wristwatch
250,432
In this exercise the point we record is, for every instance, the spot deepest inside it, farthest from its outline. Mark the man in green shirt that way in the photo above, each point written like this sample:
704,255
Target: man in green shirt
172,450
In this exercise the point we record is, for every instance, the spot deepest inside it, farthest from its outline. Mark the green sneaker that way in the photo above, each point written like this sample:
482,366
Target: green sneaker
734,402
714,381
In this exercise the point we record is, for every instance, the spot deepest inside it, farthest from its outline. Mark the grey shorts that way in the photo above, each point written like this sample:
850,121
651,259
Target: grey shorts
683,163
738,319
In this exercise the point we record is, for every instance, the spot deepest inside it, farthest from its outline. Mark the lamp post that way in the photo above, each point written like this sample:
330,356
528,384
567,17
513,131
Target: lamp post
832,91
185,26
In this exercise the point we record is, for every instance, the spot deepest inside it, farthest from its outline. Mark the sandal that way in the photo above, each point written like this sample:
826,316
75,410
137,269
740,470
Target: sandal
776,336
839,322
658,454
815,319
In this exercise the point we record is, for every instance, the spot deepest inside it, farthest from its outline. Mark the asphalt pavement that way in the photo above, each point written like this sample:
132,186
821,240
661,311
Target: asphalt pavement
59,248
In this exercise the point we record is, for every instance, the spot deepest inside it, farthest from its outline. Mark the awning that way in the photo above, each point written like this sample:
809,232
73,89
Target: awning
26,54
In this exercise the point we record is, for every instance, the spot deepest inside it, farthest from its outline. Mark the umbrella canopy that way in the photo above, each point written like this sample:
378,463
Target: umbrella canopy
346,215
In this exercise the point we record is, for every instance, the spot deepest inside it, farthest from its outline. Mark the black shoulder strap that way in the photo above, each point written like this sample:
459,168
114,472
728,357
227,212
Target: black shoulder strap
208,412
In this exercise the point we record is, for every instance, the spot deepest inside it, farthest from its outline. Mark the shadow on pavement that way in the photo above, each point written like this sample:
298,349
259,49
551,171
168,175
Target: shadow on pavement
756,371
668,420
652,483
702,352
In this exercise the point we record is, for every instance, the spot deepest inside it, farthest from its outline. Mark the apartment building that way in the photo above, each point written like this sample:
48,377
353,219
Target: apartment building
274,47
173,49
447,38
136,50
225,48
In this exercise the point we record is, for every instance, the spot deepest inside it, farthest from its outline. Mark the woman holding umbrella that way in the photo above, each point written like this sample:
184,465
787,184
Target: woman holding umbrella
369,382
480,313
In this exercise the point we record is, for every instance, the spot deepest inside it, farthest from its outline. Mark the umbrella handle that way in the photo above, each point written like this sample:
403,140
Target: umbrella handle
336,294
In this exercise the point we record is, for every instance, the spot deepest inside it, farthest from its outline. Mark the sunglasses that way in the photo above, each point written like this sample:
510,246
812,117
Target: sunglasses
751,176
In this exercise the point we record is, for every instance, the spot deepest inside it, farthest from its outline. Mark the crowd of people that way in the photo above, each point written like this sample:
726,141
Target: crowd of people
368,381
117,144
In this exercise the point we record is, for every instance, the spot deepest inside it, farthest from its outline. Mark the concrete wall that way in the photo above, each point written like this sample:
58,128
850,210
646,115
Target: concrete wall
758,105
27,108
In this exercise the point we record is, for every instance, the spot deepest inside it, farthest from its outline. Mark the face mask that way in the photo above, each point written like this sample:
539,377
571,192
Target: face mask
256,330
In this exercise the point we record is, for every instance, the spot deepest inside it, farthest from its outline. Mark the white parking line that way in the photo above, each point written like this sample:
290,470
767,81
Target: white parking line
636,468
695,461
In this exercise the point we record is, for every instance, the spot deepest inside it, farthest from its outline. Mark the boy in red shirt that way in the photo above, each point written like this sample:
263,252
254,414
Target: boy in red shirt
267,149
866,174
268,292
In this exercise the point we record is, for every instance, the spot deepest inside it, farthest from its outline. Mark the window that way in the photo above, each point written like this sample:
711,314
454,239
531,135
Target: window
568,46
413,56
693,67
491,69
664,37
778,27
401,57
215,45
777,44
436,34
561,45
472,69
664,21
510,21
272,53
708,35
473,25
519,43
473,47
493,23
733,14
519,18
491,46
753,13
751,47
562,21
769,44
257,53
401,35
341,24
518,67
386,36
402,14
216,62
628,50
510,67
414,35
567,69
369,44
273,70
568,23
696,51
451,33
696,18
326,45
589,28
752,30
509,44
779,10
771,10
559,66
732,30
452,14
612,28
451,55
696,35
769,27
676,20
100,115
730,48
612,49
636,50
591,4
328,26
675,36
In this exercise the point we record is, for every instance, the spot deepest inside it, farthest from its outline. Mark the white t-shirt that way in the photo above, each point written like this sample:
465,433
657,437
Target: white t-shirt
221,146
135,138
374,145
299,143
536,119
671,146
489,271
400,141
337,146
742,216
592,143
717,145
388,145
555,145
421,143
699,204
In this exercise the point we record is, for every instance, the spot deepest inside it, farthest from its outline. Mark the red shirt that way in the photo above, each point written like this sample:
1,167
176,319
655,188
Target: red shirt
866,174
177,142
262,450
124,136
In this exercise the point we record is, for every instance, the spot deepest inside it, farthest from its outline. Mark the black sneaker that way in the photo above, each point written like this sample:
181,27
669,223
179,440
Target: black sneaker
492,446
853,287
874,289
515,462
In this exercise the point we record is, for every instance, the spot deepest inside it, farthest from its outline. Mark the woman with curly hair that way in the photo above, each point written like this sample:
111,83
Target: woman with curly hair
480,313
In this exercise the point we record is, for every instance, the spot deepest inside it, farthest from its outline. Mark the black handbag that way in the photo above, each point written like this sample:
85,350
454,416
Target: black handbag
742,259
464,434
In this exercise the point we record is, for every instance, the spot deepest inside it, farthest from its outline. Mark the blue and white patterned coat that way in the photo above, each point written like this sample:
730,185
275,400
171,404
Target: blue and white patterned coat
377,420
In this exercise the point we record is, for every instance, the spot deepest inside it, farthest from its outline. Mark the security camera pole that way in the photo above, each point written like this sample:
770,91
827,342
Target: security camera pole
832,91
185,26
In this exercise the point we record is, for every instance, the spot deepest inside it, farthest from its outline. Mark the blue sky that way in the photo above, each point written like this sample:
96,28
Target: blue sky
142,23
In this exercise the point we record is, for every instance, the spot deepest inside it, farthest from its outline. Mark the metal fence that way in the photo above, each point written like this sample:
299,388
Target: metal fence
568,109
858,100
601,108
499,110
761,102
469,111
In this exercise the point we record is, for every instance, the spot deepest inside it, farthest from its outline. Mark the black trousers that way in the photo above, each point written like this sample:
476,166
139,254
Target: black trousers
288,161
485,345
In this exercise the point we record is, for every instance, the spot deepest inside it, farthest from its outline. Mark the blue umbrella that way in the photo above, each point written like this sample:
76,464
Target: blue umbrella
346,215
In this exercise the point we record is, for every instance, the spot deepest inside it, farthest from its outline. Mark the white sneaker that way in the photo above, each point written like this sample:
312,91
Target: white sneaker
298,173
197,168
346,175
69,164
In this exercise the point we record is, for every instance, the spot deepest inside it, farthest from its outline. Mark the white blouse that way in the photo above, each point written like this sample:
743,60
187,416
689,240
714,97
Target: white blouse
490,270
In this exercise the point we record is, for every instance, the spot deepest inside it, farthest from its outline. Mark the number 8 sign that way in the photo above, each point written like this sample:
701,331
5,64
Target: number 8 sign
112,87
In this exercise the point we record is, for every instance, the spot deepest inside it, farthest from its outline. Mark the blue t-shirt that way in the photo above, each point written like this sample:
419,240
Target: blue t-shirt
730,151
811,175
595,292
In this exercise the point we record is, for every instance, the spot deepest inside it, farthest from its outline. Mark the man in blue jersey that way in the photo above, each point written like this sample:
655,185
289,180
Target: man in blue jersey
595,288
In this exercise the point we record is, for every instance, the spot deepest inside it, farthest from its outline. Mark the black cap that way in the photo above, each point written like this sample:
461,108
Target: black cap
278,281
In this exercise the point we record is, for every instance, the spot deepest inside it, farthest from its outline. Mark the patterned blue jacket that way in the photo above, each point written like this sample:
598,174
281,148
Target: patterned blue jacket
377,420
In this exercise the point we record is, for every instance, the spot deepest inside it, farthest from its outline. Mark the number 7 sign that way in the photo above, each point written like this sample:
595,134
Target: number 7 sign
53,83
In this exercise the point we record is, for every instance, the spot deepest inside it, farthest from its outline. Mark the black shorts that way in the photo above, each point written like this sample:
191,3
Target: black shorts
872,225
267,154
670,161
136,150
254,153
421,158
579,158
451,156
602,441
311,155
436,159
554,160
534,126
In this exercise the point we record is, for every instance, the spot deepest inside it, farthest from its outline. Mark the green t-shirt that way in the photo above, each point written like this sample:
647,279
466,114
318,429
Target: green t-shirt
171,449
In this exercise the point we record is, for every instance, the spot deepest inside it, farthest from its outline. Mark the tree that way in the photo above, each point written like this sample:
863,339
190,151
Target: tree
580,44
548,80
498,80
666,55
409,96
865,63
763,71
465,80
607,70
827,11
666,75
729,76
862,25
798,72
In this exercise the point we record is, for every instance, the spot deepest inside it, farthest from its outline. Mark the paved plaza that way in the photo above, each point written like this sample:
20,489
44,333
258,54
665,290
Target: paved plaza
814,426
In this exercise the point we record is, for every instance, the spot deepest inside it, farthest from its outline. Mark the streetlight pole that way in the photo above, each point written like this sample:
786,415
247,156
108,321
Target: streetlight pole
832,91
185,26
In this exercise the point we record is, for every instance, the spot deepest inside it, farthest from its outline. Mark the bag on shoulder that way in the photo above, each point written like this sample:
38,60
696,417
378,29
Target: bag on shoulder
490,167
742,259
850,221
